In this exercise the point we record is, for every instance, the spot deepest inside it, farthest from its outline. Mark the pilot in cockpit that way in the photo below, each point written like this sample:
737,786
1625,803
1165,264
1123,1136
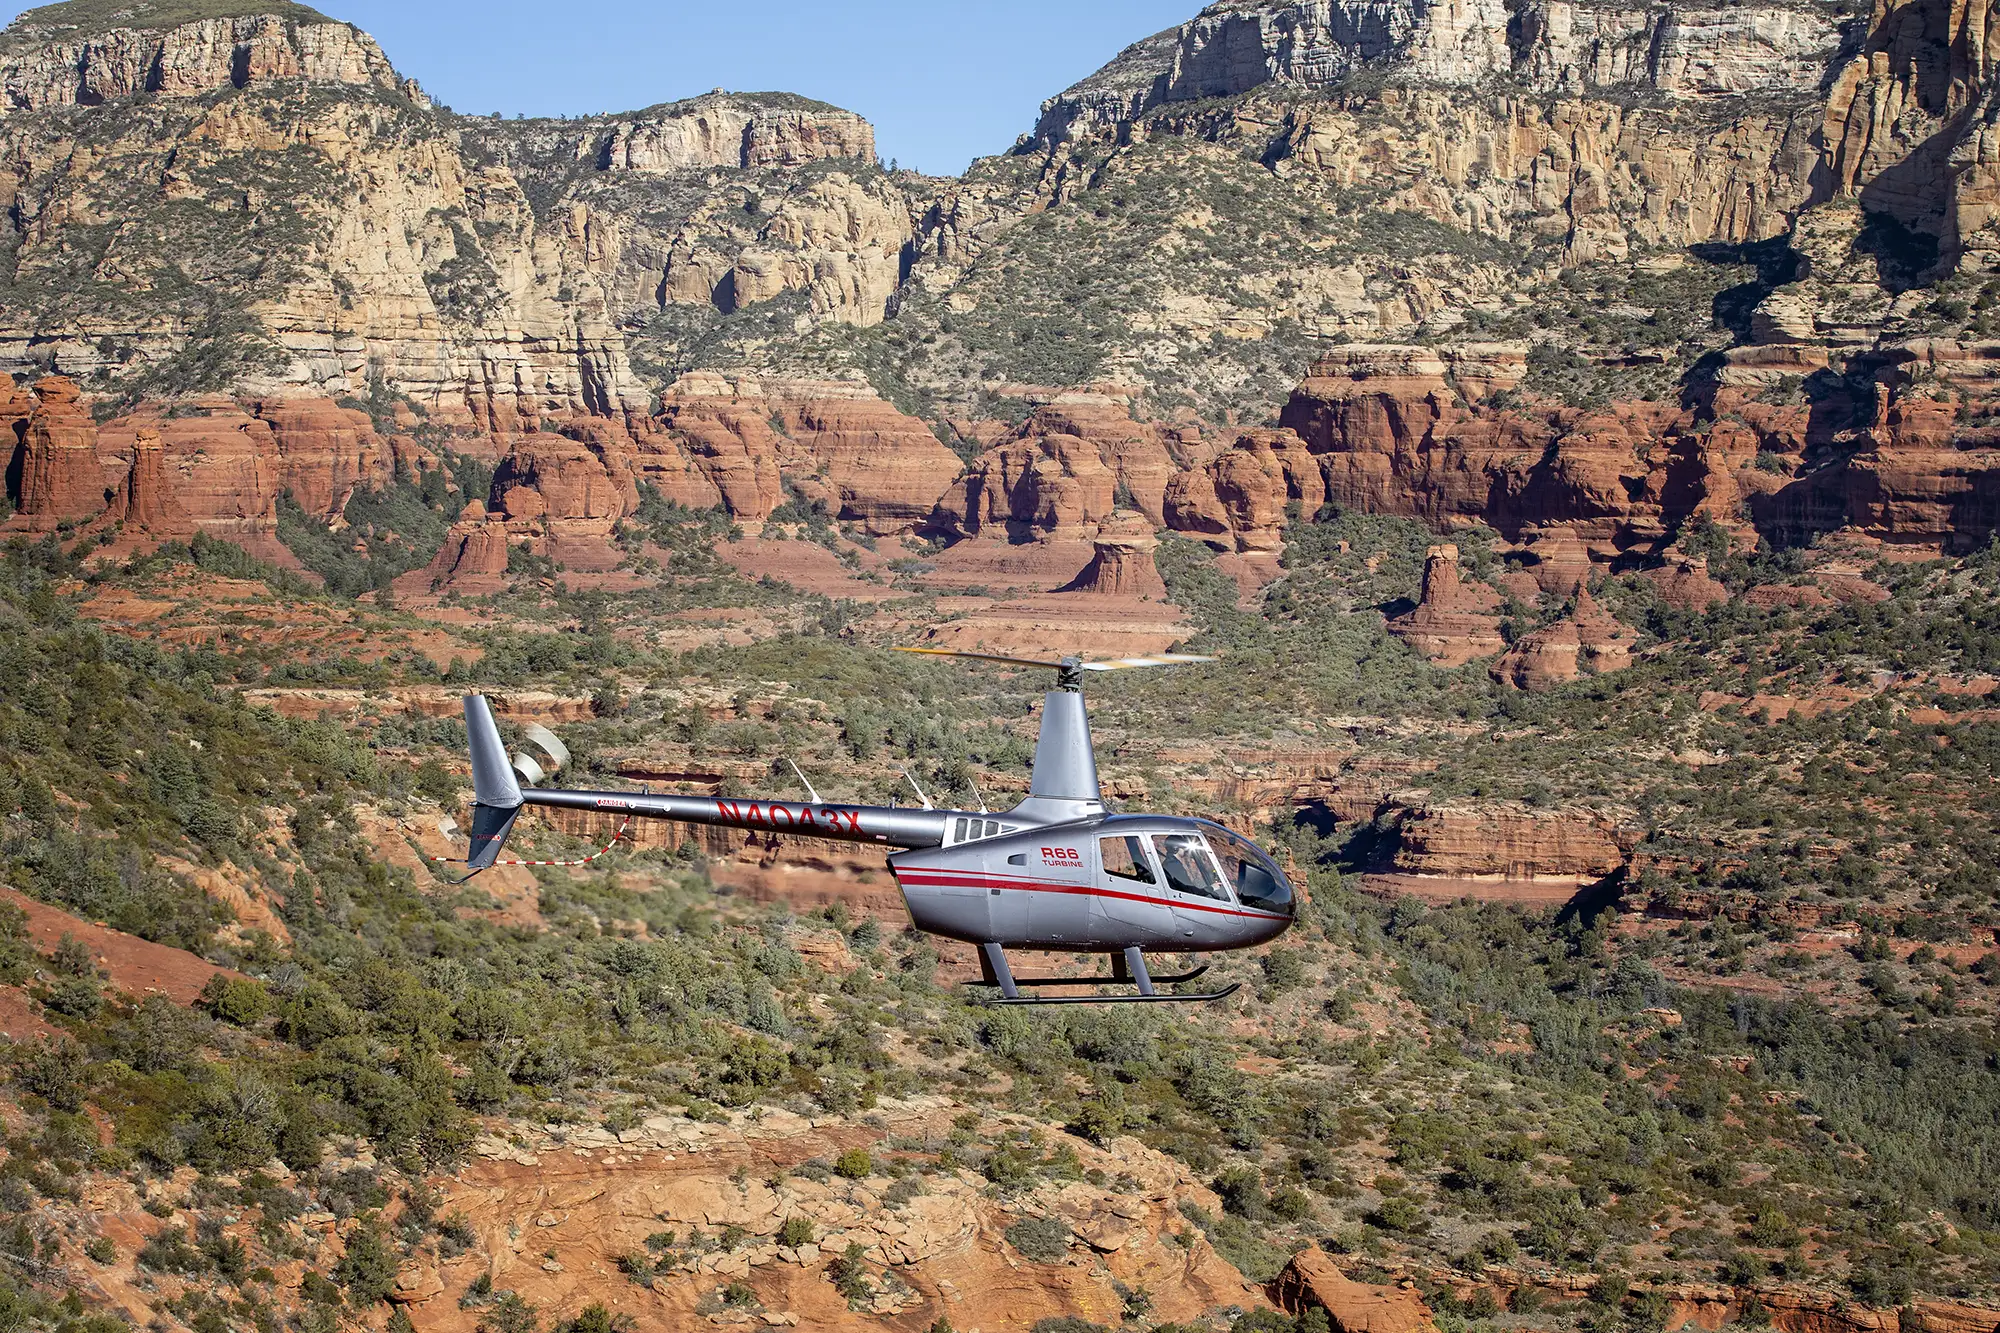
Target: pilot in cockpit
1189,867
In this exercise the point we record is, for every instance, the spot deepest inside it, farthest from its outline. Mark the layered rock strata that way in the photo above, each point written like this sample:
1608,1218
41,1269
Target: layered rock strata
1121,564
1502,842
65,68
61,478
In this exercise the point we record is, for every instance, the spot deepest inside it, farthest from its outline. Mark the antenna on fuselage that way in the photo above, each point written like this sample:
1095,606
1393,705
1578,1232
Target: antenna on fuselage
919,790
804,781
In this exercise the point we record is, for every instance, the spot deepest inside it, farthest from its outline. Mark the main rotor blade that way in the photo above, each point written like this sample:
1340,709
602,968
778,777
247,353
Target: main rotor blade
1159,659
1114,664
983,657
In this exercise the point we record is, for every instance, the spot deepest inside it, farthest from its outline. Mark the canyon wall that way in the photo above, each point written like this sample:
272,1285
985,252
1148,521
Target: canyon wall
186,221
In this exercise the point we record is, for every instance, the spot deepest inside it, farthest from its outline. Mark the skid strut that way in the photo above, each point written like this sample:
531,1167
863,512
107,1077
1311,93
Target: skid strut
1127,966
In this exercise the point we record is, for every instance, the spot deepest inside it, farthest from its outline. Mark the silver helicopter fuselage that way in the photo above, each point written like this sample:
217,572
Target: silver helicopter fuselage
1056,872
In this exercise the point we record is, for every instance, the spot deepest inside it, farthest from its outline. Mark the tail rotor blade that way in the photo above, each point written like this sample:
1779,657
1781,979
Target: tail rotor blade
557,752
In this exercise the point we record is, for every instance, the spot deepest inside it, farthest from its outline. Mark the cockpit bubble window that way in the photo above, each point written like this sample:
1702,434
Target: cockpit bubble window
1259,883
1125,858
1189,867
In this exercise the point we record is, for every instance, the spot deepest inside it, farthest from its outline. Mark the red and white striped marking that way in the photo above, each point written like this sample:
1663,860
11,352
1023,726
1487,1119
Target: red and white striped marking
616,838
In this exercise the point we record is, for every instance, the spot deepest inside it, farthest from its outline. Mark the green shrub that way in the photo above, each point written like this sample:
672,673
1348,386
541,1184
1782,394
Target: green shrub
1042,1240
849,1274
170,1251
368,1268
237,1000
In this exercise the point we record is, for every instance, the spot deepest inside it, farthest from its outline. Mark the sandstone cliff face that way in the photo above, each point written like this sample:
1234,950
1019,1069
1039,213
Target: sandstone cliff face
410,250
217,467
1591,125
1550,46
1906,127
146,502
1064,469
187,60
1047,486
1469,841
723,131
61,479
1244,495
1395,437
1394,432
554,269
473,558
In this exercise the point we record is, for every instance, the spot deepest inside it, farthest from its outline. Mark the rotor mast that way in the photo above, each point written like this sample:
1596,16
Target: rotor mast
1064,785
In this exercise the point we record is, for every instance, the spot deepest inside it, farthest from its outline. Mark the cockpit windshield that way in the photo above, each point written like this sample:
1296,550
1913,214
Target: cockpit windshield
1189,867
1259,883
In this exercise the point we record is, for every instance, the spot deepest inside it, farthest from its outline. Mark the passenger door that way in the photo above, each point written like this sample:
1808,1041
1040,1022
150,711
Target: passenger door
1129,906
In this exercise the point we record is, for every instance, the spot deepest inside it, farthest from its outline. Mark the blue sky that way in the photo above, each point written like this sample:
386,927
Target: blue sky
944,81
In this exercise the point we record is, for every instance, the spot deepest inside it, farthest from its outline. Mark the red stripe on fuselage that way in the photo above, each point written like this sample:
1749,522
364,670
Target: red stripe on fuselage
940,878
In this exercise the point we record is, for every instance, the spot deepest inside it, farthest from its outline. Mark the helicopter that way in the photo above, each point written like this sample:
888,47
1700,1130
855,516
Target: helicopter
1059,872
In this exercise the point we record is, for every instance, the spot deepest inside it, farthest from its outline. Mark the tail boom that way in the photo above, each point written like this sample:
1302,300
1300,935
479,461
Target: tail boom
884,826
500,796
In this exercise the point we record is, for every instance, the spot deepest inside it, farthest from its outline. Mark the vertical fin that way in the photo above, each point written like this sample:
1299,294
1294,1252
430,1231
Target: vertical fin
493,780
490,827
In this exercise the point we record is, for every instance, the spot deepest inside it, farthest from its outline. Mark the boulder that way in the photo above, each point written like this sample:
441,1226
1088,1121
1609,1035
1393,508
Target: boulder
1311,1281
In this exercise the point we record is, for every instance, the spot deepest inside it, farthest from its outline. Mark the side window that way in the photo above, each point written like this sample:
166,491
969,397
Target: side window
1188,865
1125,858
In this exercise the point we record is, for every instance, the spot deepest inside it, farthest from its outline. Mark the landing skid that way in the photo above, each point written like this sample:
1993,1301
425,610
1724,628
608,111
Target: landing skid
1222,994
1092,981
1129,966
